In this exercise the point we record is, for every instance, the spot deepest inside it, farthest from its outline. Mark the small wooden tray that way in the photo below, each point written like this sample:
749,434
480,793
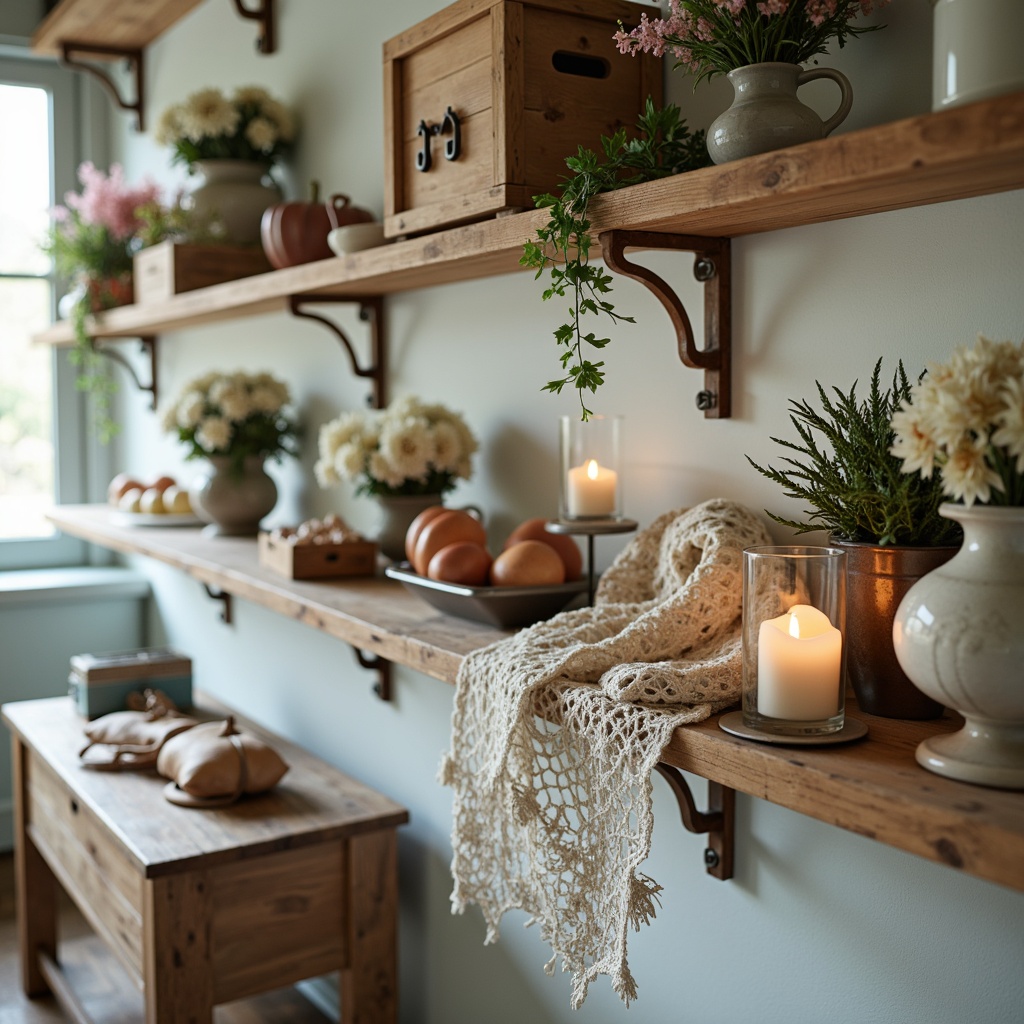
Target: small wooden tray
317,561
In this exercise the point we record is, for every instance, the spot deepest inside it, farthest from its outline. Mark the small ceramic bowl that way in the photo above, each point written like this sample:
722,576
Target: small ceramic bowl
353,237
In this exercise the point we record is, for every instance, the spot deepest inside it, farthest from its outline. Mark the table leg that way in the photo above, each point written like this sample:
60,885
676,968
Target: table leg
177,967
36,887
369,984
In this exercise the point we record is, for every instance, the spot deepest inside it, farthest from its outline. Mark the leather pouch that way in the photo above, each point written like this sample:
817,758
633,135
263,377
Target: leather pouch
214,765
131,740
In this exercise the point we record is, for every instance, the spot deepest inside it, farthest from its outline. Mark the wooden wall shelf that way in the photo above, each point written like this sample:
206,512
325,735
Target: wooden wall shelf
953,154
873,788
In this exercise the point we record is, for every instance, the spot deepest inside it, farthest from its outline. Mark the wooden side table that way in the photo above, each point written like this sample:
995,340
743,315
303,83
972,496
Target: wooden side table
204,906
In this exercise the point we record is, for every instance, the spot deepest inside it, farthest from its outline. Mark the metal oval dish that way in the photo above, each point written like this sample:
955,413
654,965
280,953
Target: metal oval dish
504,607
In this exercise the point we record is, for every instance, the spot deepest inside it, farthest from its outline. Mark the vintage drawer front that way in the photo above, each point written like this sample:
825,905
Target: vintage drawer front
93,869
277,919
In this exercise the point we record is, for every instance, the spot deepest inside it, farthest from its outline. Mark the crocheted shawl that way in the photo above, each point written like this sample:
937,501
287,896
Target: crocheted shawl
556,729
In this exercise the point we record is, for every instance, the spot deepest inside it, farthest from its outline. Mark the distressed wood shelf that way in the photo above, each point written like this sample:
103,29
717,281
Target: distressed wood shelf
873,788
953,154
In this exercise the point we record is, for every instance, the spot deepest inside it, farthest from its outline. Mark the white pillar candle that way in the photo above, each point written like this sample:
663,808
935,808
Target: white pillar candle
799,661
591,490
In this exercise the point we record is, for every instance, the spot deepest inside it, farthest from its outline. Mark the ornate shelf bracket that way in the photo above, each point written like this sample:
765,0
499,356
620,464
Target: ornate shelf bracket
70,52
226,612
148,343
712,266
375,663
263,13
718,822
371,310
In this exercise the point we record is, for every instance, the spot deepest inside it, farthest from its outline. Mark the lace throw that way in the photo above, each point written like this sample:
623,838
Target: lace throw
556,729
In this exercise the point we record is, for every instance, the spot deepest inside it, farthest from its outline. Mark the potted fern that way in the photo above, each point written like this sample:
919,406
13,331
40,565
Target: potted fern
888,524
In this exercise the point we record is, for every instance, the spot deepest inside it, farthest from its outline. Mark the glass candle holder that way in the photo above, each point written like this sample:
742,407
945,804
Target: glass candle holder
591,471
794,653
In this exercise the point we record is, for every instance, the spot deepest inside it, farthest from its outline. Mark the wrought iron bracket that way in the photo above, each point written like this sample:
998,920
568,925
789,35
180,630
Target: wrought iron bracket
717,822
148,343
371,310
227,608
381,688
712,266
70,53
263,13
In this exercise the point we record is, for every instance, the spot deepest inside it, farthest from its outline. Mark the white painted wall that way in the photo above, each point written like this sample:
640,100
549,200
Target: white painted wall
818,924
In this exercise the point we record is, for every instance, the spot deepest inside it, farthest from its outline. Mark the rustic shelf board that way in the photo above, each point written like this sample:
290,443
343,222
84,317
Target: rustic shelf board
954,154
873,788
120,24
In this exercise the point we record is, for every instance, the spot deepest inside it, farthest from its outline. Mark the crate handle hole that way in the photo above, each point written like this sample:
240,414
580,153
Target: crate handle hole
580,64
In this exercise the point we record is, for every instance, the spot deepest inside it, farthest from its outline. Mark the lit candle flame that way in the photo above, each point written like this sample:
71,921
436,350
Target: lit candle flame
794,625
593,469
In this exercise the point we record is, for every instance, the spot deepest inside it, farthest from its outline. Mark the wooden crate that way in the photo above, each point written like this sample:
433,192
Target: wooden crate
529,82
317,561
170,268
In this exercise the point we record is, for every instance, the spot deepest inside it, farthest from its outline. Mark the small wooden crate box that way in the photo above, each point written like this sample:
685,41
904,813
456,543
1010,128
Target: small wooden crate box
527,81
317,561
161,271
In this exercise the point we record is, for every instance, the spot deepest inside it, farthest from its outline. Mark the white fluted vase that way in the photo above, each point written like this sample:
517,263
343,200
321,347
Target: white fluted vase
959,636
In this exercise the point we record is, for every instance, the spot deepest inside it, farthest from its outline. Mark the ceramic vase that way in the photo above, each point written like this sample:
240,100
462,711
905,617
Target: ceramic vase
766,113
976,50
396,515
234,193
959,636
877,580
233,502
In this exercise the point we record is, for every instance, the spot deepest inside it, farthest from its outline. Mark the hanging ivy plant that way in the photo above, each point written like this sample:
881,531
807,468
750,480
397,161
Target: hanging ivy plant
663,146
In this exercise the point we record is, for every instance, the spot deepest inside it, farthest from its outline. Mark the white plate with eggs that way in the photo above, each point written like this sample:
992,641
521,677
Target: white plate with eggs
156,519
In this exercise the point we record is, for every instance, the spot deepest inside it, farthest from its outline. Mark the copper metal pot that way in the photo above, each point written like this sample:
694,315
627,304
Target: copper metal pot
877,578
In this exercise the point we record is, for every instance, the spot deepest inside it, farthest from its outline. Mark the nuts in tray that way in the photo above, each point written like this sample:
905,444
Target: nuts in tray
318,549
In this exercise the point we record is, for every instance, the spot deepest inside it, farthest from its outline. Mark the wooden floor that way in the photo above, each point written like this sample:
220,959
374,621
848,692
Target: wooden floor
102,984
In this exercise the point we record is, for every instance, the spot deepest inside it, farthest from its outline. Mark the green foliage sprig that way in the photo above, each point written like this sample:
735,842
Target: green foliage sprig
663,146
855,487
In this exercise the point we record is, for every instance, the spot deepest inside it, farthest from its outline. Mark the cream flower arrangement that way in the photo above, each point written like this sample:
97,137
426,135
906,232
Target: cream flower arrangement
410,448
208,125
236,415
965,419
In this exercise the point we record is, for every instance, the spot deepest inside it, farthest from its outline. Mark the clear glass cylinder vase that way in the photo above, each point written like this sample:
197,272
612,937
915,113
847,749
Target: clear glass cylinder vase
590,473
794,650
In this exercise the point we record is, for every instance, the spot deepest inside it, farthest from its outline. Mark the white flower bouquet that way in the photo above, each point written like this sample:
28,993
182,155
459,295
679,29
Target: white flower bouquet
410,448
235,415
208,125
966,418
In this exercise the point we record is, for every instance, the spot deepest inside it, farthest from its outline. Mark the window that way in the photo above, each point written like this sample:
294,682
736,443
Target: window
40,412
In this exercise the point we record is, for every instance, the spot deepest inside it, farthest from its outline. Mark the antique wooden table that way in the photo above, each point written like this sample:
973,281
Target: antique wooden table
204,906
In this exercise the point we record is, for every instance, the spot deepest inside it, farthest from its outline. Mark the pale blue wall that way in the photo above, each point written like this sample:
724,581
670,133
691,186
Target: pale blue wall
48,615
818,924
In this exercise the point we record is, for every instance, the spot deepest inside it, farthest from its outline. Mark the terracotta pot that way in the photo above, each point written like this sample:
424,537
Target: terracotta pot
877,579
294,233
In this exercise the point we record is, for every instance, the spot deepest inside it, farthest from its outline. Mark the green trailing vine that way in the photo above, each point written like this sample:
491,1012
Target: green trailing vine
663,146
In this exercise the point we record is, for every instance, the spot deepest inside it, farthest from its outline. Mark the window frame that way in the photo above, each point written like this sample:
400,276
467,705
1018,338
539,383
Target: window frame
71,444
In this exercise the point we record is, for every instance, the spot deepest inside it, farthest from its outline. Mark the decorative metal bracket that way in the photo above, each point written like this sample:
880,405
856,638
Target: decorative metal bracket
69,56
148,343
264,14
718,822
225,598
371,310
712,266
382,688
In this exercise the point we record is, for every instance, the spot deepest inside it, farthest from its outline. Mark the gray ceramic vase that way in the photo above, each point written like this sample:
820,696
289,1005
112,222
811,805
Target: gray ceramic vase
766,114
